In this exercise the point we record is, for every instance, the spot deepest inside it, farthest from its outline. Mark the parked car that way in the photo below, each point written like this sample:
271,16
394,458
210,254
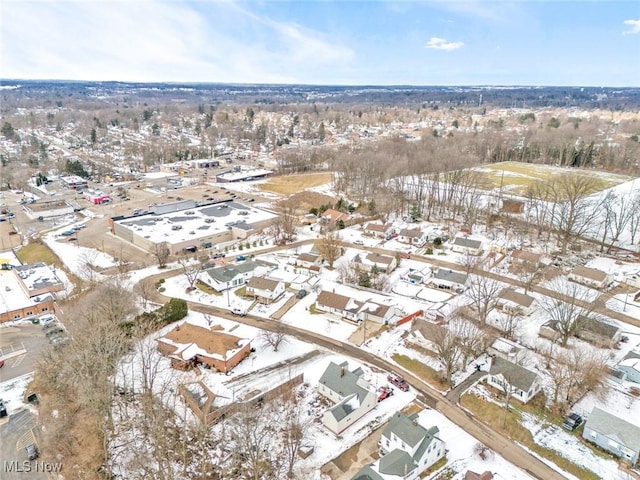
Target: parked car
398,381
219,255
32,451
47,320
55,331
385,392
1,363
239,311
68,233
301,293
3,409
358,242
240,258
572,422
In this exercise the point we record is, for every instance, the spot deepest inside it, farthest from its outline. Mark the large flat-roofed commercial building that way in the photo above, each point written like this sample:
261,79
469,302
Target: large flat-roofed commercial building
188,226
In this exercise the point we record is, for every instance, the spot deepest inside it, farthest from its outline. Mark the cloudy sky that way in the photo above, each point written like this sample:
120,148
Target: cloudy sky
430,42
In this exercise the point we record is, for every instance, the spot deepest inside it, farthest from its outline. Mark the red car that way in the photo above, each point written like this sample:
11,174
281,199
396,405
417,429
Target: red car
384,393
398,381
1,363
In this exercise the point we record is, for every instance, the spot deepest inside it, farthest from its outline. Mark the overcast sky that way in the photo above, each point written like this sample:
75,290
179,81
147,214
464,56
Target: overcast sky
437,42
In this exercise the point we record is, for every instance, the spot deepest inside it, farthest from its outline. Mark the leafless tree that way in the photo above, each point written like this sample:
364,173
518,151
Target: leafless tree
330,247
577,372
483,293
347,271
294,427
565,308
283,227
145,289
274,338
634,219
191,268
509,322
617,213
162,251
253,436
574,213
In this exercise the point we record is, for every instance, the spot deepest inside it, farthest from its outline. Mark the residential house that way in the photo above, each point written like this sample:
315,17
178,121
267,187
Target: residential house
466,246
597,332
355,310
469,475
550,330
632,279
630,366
613,434
427,333
407,450
515,302
265,290
591,277
505,349
378,230
232,276
351,394
333,216
188,344
447,279
371,261
526,259
412,236
340,305
308,260
522,383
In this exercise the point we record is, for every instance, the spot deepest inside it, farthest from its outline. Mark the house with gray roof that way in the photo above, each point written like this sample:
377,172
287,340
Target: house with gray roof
597,332
466,246
522,383
231,276
383,263
352,395
413,236
613,434
447,279
407,449
630,366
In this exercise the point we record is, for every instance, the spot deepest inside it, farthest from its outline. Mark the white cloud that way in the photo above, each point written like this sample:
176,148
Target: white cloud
151,40
634,27
436,43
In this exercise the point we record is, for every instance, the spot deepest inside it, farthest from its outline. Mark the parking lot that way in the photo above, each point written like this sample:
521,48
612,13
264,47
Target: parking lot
23,337
15,434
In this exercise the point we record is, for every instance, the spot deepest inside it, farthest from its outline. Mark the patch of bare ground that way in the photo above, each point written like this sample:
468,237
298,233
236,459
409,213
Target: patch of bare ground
305,200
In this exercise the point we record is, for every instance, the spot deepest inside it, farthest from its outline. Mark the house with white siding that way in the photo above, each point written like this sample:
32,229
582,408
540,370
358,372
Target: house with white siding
466,246
613,434
352,395
407,449
523,384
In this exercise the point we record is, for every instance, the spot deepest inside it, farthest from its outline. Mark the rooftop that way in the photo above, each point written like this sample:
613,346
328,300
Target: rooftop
195,223
607,424
516,375
590,273
12,296
193,340
36,276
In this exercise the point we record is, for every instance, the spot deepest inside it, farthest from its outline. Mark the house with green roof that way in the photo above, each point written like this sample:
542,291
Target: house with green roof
352,394
407,449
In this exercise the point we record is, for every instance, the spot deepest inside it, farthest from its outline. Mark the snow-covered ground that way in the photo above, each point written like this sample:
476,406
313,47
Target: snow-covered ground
12,392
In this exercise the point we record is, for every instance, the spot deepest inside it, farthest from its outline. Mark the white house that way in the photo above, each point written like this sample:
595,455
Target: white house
523,384
378,230
591,277
407,449
413,236
307,260
265,290
232,276
630,365
351,394
466,246
447,279
512,301
355,310
383,263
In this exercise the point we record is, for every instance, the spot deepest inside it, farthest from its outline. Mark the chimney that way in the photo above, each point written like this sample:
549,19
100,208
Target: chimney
342,372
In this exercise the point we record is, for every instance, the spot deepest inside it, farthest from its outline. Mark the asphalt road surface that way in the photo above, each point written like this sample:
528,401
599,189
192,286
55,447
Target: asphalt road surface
12,339
14,436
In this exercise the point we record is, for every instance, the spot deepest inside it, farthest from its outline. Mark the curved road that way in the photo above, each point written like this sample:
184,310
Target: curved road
431,397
